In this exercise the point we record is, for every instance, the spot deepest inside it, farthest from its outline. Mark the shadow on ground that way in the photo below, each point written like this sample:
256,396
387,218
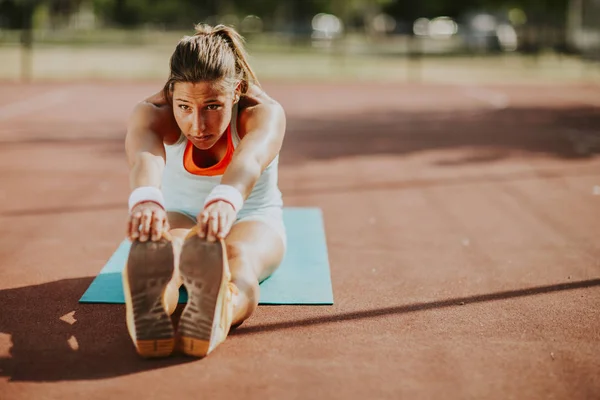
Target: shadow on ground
64,210
54,338
491,135
416,307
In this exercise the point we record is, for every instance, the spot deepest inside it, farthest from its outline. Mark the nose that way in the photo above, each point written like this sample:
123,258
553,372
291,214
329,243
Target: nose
198,125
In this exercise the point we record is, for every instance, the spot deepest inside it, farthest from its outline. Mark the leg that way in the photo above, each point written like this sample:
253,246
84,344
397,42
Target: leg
180,226
255,250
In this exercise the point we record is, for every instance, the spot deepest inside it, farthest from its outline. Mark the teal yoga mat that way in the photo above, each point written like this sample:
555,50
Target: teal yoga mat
302,278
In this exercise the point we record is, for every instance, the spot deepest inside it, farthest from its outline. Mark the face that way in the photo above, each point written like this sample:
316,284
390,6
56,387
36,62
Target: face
203,111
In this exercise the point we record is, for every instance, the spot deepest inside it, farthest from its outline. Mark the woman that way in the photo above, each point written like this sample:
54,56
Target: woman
205,208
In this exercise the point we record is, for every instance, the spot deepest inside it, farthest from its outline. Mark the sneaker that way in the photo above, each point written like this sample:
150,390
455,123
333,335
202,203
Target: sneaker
146,276
206,319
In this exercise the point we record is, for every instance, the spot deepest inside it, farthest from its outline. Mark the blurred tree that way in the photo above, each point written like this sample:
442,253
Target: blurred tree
278,14
18,14
168,14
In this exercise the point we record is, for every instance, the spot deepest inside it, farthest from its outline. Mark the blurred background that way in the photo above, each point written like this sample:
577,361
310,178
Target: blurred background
390,40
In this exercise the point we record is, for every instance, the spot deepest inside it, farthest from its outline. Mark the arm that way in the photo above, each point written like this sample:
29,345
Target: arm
262,129
147,129
151,124
144,148
261,126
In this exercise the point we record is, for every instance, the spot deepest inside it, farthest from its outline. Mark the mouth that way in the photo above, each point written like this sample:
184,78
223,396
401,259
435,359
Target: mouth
201,139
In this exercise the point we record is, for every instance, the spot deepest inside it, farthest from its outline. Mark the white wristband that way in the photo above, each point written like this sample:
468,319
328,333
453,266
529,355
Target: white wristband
146,193
228,194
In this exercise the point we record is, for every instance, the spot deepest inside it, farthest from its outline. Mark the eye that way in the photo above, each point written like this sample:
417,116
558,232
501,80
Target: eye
184,107
213,107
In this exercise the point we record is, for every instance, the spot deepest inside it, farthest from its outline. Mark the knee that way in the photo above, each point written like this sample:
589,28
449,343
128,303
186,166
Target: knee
237,250
243,271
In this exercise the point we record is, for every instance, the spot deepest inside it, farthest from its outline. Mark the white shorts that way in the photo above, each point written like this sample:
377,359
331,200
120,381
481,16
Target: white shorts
271,216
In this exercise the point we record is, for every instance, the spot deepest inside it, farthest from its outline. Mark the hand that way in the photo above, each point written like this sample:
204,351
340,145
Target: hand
147,220
216,220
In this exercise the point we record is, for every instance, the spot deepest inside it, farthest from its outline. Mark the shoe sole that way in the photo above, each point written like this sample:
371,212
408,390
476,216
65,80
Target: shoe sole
201,267
149,269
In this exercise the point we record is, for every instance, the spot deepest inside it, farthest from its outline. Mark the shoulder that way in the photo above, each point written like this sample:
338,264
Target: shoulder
156,114
257,108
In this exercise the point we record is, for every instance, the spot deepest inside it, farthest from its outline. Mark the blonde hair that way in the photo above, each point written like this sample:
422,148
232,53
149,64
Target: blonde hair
212,54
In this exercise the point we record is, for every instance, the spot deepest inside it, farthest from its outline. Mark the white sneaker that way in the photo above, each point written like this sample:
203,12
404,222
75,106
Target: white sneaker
146,276
206,319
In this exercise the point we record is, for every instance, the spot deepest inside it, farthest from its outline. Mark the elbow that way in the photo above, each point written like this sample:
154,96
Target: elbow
146,170
252,169
144,159
243,174
148,166
255,169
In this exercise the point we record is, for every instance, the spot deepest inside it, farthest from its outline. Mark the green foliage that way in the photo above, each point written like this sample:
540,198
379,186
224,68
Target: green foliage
167,13
184,13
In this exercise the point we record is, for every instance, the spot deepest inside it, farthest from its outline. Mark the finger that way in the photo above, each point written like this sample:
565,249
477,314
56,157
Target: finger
205,216
135,225
128,229
213,228
202,224
157,227
223,226
145,223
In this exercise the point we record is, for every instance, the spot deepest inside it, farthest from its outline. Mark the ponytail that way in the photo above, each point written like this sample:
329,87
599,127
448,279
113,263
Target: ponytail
236,43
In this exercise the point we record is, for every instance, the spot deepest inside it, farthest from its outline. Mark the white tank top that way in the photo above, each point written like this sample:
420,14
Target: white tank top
186,192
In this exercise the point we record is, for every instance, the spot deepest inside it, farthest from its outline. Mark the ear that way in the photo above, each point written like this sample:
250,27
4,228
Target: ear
237,92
